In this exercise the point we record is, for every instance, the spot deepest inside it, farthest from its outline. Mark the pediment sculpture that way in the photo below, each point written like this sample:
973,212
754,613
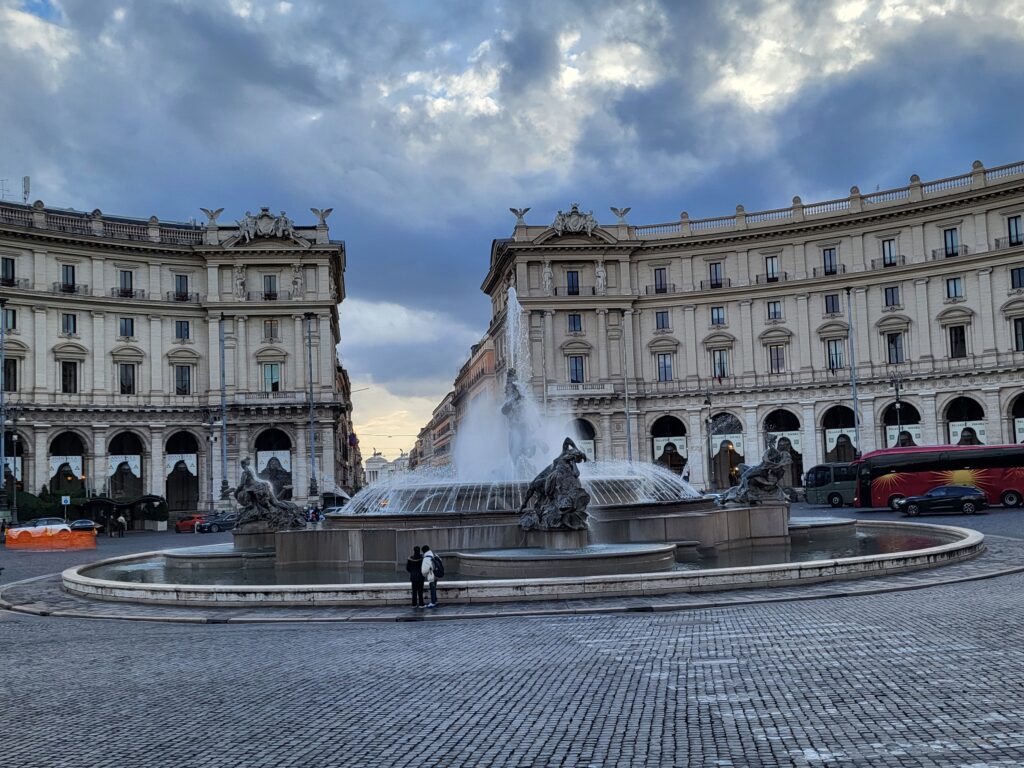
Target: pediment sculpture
574,221
265,224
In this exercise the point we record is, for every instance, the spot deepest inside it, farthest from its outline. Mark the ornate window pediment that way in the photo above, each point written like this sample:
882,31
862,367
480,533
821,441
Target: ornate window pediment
271,355
127,354
834,329
955,316
183,355
776,335
69,350
576,347
719,339
893,323
15,348
1013,308
663,344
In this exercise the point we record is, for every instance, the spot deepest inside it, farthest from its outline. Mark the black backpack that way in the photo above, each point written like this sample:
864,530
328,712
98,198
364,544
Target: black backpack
438,565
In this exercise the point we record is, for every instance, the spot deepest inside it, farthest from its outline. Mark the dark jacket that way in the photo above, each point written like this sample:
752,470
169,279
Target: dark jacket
414,566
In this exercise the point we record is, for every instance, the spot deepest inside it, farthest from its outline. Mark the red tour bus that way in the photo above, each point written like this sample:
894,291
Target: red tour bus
894,473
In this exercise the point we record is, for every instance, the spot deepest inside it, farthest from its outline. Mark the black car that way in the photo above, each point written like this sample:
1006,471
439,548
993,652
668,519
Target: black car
86,525
218,523
962,499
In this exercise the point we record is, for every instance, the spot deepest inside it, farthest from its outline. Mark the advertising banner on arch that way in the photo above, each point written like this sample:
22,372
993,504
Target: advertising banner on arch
736,440
968,433
840,444
661,442
892,435
795,438
587,446
1018,430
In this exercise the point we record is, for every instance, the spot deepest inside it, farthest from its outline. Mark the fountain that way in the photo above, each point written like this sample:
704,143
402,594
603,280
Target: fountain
512,529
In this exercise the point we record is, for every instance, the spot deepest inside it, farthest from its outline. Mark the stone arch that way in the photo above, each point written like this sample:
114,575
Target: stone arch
901,427
274,451
1017,418
125,470
67,454
668,443
726,436
839,434
965,421
584,434
785,427
181,471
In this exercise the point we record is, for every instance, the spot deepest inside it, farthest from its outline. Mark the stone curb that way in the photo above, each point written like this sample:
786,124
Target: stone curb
525,613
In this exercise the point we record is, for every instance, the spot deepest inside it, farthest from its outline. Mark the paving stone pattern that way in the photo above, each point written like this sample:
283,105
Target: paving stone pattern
907,679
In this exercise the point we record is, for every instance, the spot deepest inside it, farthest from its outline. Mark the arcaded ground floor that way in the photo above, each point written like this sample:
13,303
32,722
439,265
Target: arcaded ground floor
845,675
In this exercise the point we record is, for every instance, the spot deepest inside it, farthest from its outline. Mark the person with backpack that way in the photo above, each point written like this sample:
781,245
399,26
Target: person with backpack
414,565
433,569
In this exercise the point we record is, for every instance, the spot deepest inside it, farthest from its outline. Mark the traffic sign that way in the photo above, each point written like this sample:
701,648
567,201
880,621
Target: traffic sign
65,500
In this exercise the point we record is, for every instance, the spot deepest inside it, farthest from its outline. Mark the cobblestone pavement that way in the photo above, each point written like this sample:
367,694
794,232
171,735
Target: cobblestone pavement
907,679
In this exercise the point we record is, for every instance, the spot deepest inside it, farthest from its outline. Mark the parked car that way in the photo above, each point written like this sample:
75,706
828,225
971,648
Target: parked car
217,523
332,510
962,499
53,524
86,525
188,524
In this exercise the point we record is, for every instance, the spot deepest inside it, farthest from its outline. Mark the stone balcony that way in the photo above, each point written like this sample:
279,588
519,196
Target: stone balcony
586,389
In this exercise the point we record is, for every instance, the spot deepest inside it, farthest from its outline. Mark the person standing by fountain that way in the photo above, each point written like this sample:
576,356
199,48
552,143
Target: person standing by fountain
430,575
414,565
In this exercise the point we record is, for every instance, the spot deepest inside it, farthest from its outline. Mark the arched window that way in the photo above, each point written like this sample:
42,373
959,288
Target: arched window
668,444
784,426
965,422
840,435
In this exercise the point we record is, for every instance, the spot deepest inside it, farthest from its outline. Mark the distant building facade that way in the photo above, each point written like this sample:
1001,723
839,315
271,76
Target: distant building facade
713,333
378,468
113,354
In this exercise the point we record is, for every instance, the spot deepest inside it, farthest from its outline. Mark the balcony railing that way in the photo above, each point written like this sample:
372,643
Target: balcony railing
75,288
182,296
1002,243
581,390
838,269
891,261
583,290
269,295
127,293
711,285
778,277
663,288
14,282
948,253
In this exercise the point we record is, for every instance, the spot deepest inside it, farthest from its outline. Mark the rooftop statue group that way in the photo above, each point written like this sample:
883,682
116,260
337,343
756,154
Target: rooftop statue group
559,500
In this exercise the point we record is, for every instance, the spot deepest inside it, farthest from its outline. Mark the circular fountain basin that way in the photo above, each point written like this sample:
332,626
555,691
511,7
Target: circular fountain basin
904,547
591,560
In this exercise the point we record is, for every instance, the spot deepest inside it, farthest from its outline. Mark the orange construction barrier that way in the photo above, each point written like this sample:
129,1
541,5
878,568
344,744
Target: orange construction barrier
45,538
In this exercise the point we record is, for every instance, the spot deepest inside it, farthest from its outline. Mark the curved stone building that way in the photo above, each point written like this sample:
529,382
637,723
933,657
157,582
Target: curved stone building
112,368
724,329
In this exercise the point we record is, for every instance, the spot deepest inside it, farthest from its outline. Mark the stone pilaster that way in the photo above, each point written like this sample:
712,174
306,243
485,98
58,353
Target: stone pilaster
922,319
601,343
985,308
242,359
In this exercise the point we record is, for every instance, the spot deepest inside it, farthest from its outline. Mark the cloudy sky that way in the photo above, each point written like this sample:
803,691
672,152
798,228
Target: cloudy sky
421,123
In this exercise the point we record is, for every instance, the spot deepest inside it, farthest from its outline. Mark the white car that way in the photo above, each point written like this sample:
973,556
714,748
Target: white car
43,524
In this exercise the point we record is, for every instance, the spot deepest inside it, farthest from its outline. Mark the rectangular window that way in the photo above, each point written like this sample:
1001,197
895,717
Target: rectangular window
661,280
894,347
126,378
832,304
67,278
954,288
951,239
7,270
719,363
572,283
181,287
68,323
10,383
830,261
125,281
957,341
718,315
270,330
270,287
715,274
126,327
1017,277
1013,229
664,366
575,369
774,310
661,320
68,377
182,380
271,377
771,268
777,358
888,253
836,350
182,330
1018,334
10,319
892,296
575,322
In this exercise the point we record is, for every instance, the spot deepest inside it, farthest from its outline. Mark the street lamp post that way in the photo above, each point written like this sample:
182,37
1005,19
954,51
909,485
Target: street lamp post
313,491
897,384
224,490
4,513
711,479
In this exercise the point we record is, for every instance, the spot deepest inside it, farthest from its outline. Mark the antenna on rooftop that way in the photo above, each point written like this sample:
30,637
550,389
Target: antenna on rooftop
26,189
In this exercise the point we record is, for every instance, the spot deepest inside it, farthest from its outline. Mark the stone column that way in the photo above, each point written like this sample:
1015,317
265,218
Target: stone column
213,328
299,343
985,306
805,358
689,332
325,452
865,329
41,357
930,420
922,318
627,329
156,356
100,470
300,466
552,373
100,366
916,252
242,352
994,421
40,457
606,437
98,277
213,283
156,479
868,436
752,435
746,339
812,447
697,458
40,277
601,342
980,231
328,356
